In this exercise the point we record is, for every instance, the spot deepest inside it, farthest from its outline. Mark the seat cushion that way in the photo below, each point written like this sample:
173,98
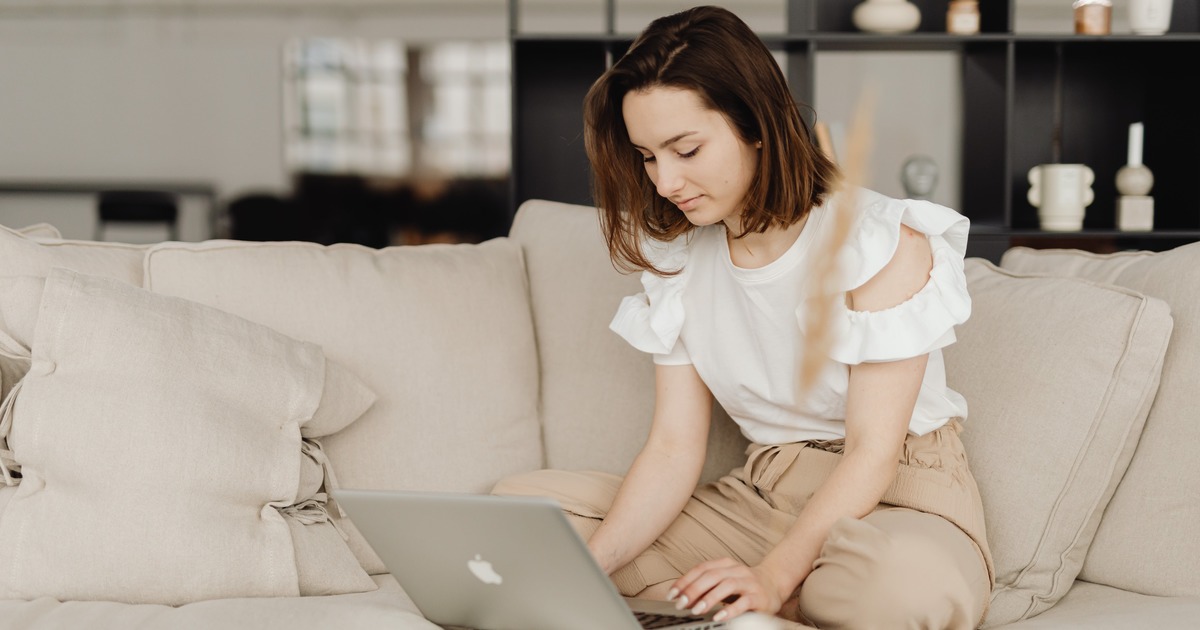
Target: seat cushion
1096,607
159,446
1059,375
385,607
1147,542
441,333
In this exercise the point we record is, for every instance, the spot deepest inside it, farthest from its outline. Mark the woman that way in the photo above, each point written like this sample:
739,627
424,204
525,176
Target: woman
855,507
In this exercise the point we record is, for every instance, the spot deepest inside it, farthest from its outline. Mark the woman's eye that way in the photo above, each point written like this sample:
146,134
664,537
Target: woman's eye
691,153
647,159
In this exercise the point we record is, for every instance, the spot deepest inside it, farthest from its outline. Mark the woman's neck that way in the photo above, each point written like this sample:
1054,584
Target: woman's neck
756,250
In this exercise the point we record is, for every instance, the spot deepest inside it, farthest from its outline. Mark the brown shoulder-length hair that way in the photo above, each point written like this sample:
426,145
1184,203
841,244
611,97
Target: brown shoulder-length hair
713,53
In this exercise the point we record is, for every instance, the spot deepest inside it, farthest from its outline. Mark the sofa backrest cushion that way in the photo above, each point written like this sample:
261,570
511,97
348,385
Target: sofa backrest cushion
160,445
1059,375
22,255
597,393
32,252
1147,542
40,230
441,333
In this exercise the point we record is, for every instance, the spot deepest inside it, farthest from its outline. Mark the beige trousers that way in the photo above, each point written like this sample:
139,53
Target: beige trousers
919,560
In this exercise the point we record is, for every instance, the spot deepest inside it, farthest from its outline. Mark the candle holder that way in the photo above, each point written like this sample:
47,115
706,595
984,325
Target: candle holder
1135,206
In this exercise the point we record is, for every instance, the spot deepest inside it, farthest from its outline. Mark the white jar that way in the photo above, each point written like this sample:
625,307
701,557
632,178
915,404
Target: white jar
887,16
1149,17
962,18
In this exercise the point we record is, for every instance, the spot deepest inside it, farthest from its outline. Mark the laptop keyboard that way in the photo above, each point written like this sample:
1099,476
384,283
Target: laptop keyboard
651,620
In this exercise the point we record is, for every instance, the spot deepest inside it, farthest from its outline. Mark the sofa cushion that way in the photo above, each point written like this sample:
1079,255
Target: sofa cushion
159,445
40,230
385,607
441,333
22,255
33,252
19,300
1059,375
1147,542
1095,607
597,391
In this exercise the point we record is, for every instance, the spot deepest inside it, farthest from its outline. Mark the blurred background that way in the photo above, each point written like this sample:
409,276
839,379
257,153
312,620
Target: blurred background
368,121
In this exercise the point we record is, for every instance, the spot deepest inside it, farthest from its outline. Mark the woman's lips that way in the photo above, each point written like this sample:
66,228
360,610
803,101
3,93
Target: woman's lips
688,204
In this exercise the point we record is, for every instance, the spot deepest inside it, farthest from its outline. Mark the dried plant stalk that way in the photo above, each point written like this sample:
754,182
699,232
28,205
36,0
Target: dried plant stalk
822,292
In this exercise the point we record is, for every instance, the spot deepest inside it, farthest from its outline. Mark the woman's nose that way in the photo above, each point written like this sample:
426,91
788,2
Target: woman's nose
670,180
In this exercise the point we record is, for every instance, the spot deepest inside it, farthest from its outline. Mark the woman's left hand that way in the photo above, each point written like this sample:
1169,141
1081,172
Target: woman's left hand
715,581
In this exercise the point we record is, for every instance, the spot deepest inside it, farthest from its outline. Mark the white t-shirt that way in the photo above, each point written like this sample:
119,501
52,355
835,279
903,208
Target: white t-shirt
741,328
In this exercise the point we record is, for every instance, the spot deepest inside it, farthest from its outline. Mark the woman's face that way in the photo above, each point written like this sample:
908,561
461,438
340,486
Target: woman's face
692,154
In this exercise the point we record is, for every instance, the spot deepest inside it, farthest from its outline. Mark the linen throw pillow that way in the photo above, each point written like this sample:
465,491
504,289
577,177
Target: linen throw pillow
160,451
1147,541
442,333
1059,375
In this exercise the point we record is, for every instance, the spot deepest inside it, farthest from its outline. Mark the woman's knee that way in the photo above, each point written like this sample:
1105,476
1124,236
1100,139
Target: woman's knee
895,569
567,486
532,483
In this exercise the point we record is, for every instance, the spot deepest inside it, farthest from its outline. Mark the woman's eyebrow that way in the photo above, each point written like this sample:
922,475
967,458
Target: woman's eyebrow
671,141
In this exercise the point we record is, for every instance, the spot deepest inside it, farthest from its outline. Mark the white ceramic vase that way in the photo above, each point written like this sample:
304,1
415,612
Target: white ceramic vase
886,16
1061,193
1149,17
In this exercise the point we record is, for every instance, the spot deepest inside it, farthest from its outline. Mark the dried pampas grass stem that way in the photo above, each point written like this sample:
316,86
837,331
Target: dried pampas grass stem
822,292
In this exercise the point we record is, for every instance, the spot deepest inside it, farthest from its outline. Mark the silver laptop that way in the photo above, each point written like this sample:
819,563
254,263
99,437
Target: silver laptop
499,563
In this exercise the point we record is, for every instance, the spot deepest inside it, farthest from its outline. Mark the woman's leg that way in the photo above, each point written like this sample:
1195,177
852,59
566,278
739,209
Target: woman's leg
897,568
724,519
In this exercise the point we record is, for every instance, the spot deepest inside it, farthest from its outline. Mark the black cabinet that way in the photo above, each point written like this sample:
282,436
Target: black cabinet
1018,92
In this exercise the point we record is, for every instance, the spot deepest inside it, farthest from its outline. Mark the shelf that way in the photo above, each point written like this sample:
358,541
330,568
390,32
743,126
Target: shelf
553,38
1084,234
1026,99
917,41
1069,38
904,42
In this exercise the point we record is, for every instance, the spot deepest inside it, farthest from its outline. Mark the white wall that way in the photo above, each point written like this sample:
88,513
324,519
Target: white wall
148,94
163,90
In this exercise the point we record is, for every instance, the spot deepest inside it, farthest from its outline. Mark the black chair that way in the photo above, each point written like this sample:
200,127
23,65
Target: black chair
140,207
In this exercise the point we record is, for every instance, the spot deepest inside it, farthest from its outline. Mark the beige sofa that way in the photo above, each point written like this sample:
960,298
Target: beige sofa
492,359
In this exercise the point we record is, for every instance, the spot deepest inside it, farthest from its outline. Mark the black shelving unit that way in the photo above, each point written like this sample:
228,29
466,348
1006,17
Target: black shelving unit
1014,89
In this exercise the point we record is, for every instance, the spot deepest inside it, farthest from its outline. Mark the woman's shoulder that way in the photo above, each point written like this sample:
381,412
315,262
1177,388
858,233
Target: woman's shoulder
924,321
875,235
674,255
652,320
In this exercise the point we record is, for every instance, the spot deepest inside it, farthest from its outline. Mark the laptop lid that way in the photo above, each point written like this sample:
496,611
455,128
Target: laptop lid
495,563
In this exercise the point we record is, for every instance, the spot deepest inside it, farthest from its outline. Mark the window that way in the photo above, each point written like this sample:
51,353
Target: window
468,127
358,107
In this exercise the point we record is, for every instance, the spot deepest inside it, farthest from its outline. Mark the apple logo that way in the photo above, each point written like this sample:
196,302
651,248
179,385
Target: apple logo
483,570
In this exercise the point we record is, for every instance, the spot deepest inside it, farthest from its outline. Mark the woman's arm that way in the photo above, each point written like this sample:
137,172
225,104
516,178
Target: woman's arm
879,407
664,475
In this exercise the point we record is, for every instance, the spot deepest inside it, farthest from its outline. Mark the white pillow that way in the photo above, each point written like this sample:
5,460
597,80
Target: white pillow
442,333
22,255
1147,542
33,251
1059,374
159,444
41,230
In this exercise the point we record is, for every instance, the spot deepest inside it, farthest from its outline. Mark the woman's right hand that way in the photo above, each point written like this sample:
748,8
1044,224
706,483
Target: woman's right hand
665,472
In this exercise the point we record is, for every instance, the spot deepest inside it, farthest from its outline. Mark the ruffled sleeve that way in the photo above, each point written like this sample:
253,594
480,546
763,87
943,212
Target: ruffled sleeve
651,320
923,323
